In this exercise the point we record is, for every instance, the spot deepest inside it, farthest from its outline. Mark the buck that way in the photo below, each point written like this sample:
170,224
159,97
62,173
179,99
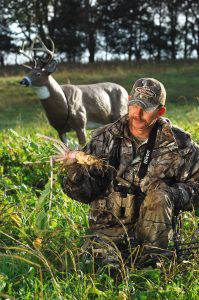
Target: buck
71,107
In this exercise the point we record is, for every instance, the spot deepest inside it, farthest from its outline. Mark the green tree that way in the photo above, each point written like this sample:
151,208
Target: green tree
65,28
6,45
186,37
129,20
90,25
156,30
174,27
194,26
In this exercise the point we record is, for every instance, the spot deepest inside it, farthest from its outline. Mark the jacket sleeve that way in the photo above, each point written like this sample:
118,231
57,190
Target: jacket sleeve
87,184
178,172
186,188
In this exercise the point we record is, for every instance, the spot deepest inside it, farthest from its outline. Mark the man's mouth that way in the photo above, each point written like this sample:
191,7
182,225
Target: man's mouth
137,119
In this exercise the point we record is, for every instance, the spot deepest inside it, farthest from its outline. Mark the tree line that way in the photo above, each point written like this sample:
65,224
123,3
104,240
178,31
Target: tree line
128,29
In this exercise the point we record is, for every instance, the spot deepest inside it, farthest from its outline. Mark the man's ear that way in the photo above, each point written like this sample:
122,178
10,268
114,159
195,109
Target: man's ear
161,111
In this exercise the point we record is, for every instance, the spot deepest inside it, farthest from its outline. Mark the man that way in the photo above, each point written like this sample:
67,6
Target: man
151,171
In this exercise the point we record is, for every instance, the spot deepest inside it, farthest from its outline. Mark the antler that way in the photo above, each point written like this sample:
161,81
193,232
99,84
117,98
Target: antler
22,51
43,48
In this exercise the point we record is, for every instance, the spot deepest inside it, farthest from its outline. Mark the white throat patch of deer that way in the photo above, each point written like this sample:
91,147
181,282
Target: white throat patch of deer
70,107
43,92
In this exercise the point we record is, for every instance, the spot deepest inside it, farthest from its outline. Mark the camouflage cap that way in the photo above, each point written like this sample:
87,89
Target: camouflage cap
149,93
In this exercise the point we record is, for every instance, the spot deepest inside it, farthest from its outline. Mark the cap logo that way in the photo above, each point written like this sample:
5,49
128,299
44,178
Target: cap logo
145,91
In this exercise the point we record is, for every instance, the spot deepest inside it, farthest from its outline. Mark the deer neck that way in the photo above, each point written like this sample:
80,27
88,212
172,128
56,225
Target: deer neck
51,91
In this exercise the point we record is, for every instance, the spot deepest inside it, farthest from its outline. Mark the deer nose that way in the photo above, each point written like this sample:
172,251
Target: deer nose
25,81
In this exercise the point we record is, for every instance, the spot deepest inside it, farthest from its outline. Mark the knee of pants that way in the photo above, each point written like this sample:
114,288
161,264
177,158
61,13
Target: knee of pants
158,200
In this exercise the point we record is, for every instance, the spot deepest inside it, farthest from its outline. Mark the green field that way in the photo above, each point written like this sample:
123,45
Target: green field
41,229
20,107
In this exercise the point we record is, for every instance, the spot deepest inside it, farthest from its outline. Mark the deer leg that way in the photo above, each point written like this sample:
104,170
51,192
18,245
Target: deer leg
81,135
63,138
79,125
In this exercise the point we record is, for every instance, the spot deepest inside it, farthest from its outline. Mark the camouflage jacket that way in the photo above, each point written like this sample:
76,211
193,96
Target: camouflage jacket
174,162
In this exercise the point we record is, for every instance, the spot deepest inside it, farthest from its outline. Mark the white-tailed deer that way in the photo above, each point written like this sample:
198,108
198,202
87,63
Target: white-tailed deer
70,107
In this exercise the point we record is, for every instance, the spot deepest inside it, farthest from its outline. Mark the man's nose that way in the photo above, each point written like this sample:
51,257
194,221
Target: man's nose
138,111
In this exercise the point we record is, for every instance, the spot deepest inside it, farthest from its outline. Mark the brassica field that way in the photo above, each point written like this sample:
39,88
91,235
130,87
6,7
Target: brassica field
42,230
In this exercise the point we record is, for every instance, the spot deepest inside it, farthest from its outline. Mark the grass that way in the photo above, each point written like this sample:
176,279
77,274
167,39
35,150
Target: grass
42,230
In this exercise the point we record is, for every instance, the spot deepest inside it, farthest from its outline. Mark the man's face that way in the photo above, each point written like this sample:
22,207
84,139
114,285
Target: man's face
140,120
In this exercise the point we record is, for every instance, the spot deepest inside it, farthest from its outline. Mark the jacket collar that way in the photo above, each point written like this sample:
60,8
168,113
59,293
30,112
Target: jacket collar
165,135
120,127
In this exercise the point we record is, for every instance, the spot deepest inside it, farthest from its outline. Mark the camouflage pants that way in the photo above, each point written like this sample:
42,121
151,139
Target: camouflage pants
153,228
154,224
155,220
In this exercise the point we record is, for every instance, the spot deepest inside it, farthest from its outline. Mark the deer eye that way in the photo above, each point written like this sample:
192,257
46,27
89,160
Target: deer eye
38,74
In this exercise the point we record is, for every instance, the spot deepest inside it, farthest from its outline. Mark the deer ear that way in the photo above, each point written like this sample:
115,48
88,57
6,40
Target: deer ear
51,66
